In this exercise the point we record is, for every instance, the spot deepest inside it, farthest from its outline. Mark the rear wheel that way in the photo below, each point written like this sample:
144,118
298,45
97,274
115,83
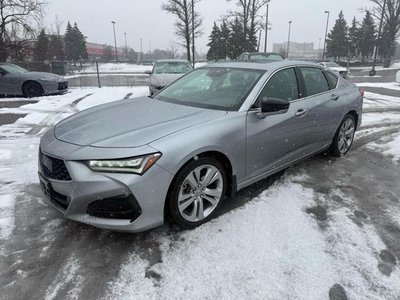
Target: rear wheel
197,192
344,136
32,89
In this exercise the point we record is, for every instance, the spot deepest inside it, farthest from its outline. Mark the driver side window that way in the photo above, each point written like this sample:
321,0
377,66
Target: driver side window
282,85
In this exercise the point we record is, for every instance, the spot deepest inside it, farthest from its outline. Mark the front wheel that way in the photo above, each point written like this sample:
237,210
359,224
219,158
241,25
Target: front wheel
32,89
344,136
197,192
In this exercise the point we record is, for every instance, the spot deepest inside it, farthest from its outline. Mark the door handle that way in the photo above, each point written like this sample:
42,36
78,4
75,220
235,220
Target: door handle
301,112
334,97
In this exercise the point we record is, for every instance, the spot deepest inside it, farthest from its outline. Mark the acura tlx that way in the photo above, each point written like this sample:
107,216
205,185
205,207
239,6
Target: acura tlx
131,164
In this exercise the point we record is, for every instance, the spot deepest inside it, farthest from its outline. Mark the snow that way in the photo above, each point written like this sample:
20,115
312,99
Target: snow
388,146
385,85
118,67
268,249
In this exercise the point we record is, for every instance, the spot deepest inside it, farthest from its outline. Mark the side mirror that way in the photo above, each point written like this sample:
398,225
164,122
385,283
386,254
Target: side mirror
148,72
274,105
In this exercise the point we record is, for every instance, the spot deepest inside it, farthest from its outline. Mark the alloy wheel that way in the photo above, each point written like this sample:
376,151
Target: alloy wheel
346,135
200,193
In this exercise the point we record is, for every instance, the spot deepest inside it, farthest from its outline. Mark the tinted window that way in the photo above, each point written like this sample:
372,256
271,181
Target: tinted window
282,85
332,79
314,80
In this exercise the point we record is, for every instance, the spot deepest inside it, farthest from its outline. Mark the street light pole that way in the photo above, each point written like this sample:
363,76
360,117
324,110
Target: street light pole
193,30
326,34
376,48
115,41
141,49
288,40
126,46
266,27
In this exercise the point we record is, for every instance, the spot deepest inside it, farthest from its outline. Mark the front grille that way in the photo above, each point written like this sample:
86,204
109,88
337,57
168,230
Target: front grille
53,168
62,85
120,207
55,197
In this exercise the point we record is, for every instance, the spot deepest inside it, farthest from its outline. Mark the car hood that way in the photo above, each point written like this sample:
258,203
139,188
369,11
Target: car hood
164,79
45,76
130,123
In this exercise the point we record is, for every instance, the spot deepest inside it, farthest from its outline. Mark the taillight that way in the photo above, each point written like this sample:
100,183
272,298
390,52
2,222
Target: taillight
361,92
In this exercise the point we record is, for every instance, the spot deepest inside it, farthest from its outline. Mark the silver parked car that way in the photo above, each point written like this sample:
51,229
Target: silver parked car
17,81
336,68
129,165
166,71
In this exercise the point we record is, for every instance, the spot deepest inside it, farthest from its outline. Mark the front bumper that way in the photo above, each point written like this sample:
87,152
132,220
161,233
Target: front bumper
76,198
54,87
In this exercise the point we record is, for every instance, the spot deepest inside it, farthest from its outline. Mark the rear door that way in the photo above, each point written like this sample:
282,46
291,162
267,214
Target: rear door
325,104
277,139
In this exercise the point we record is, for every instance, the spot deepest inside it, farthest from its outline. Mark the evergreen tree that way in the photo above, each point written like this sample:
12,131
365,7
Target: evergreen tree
56,51
214,44
237,41
69,43
81,43
387,45
225,35
41,49
252,41
338,39
367,36
354,39
75,44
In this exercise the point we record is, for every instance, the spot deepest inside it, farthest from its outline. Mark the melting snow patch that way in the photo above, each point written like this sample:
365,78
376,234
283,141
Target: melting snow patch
388,146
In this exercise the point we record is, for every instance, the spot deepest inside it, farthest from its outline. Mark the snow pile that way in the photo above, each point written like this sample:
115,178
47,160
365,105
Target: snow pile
385,85
7,203
268,249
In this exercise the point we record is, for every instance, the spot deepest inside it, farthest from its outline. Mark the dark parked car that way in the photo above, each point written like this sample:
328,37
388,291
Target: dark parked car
259,57
17,81
127,165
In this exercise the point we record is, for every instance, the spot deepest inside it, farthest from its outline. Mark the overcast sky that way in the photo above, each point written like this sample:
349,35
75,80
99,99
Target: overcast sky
145,19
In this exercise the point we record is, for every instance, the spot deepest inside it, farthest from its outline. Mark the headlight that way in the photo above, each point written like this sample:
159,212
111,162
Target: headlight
136,165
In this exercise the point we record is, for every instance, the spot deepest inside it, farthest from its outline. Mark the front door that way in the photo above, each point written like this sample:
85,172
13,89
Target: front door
277,139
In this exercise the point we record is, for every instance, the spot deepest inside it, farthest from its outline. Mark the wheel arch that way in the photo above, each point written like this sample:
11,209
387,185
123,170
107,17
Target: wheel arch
222,158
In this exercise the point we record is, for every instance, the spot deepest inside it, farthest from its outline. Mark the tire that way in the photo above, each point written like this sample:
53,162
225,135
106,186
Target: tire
197,192
344,136
32,89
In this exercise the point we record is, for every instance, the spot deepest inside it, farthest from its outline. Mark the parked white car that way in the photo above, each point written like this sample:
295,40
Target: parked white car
336,68
398,76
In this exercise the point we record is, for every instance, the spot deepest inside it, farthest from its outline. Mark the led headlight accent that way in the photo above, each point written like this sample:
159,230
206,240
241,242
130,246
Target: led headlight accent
137,165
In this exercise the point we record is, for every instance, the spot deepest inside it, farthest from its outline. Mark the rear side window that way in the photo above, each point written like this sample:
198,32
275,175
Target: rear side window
332,80
314,80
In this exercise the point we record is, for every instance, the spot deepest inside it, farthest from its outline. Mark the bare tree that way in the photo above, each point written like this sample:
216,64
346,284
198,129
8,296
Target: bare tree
391,17
172,50
251,21
17,18
182,10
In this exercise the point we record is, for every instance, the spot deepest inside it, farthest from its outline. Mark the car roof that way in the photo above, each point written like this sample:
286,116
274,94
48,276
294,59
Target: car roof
271,65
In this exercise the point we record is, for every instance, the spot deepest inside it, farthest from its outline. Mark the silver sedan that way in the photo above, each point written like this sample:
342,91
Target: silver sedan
132,164
17,81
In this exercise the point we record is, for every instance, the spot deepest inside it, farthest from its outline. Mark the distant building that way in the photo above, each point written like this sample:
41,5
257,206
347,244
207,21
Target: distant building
95,50
298,50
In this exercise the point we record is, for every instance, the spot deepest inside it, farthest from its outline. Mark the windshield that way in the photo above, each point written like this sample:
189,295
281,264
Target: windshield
172,68
215,88
264,57
13,69
332,65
